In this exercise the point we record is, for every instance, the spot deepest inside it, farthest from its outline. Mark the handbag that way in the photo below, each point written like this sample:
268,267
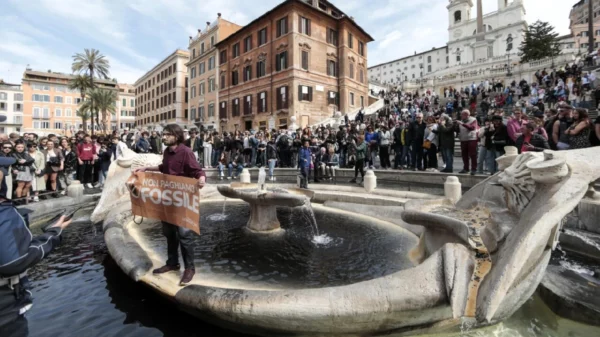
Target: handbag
427,144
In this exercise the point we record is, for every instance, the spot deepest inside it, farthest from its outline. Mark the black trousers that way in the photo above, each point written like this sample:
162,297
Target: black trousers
179,237
84,172
417,154
384,156
359,166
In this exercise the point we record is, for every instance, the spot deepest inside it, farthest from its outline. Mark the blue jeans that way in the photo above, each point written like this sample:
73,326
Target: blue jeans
238,169
272,164
342,157
481,158
253,157
448,157
407,158
305,171
216,155
220,168
490,160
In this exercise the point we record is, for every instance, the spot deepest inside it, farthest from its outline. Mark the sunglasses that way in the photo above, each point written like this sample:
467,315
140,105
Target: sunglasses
7,147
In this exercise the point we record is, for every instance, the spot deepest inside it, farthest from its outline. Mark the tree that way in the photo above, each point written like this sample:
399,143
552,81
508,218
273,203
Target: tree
92,63
80,83
84,114
540,42
104,102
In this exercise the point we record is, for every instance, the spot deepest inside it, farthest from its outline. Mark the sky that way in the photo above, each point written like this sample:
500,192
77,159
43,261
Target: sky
135,35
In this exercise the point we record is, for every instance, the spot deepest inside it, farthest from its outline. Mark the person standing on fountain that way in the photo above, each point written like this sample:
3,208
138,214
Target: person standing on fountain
178,160
304,159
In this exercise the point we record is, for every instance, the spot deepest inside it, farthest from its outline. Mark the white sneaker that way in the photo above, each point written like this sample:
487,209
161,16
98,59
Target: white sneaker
228,178
63,192
97,185
36,199
88,186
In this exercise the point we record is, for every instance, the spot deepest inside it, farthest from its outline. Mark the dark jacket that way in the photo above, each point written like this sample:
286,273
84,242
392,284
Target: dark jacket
70,161
538,141
155,145
446,136
271,151
416,133
497,139
304,157
19,250
198,145
142,146
23,155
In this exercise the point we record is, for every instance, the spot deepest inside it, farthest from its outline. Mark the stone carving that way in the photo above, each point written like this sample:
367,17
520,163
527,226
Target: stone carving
262,56
304,45
282,46
519,187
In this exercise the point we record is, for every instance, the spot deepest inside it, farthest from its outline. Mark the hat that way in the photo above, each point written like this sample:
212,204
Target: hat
7,161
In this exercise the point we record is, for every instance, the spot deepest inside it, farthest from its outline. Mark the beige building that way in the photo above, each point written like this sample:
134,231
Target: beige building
580,23
124,118
161,94
202,72
302,58
11,106
49,106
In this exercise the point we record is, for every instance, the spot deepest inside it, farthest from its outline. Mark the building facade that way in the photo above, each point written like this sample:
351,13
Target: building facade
464,42
203,90
161,94
124,117
11,106
305,59
49,106
579,23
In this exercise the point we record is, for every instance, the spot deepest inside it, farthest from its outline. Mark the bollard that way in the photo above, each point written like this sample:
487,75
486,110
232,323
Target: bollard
245,176
370,181
453,189
75,189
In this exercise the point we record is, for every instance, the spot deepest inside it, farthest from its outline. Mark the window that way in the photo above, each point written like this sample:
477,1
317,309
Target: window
247,44
202,48
193,52
247,73
351,70
18,107
58,99
193,113
132,102
304,93
201,89
362,101
457,58
429,68
234,78
211,110
304,60
223,84
304,26
201,68
351,99
57,112
281,61
223,56
40,98
18,97
193,91
45,112
282,101
57,125
78,100
332,37
193,72
201,113
41,125
17,119
457,16
211,63
124,102
236,50
69,100
211,84
361,49
262,36
3,106
261,68
223,110
235,107
350,41
248,105
262,101
331,68
41,87
212,41
428,59
361,77
332,97
36,112
282,26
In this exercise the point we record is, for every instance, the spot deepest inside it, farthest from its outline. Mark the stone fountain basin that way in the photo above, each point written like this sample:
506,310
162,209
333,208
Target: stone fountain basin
413,297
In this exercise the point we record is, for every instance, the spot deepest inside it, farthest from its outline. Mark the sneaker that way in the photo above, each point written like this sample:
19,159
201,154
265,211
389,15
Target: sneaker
473,173
463,172
97,185
353,181
166,269
36,199
228,178
187,277
63,192
88,186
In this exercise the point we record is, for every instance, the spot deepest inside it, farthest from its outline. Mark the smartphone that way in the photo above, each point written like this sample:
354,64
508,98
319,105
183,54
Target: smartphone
68,214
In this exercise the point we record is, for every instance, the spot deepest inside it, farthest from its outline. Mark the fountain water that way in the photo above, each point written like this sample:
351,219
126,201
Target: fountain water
262,176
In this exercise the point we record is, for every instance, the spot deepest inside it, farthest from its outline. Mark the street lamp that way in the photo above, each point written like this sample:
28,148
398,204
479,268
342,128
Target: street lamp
509,47
421,67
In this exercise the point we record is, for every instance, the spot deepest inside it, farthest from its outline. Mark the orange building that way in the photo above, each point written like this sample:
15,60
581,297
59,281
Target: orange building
202,72
50,106
302,58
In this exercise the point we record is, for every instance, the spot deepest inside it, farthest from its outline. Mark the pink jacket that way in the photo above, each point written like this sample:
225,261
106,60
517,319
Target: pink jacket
514,128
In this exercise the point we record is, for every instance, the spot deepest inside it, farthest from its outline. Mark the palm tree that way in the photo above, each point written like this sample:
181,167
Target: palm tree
84,114
80,83
92,63
104,102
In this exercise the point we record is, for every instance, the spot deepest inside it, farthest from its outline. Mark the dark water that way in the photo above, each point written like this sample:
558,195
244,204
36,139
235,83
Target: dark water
355,251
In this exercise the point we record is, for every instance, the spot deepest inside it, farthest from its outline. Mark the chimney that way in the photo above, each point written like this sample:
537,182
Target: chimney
199,30
218,15
190,39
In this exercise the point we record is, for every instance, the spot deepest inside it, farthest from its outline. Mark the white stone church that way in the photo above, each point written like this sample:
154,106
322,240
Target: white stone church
468,56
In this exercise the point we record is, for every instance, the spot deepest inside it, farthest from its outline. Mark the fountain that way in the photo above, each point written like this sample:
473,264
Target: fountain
475,262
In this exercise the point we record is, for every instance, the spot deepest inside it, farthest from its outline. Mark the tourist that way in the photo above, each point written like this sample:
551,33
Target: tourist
360,146
496,136
195,144
178,160
304,162
333,163
271,151
67,175
430,145
529,141
143,145
515,125
385,138
237,162
155,143
104,158
54,164
7,149
372,139
207,145
23,172
415,137
560,127
320,163
38,183
579,131
467,135
222,163
217,148
481,149
86,157
446,135
118,148
596,140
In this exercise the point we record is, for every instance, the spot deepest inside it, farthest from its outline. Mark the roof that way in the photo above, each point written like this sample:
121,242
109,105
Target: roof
286,2
62,76
406,57
177,51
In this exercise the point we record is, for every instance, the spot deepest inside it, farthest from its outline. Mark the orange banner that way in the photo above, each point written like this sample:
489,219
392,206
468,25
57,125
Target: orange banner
164,197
